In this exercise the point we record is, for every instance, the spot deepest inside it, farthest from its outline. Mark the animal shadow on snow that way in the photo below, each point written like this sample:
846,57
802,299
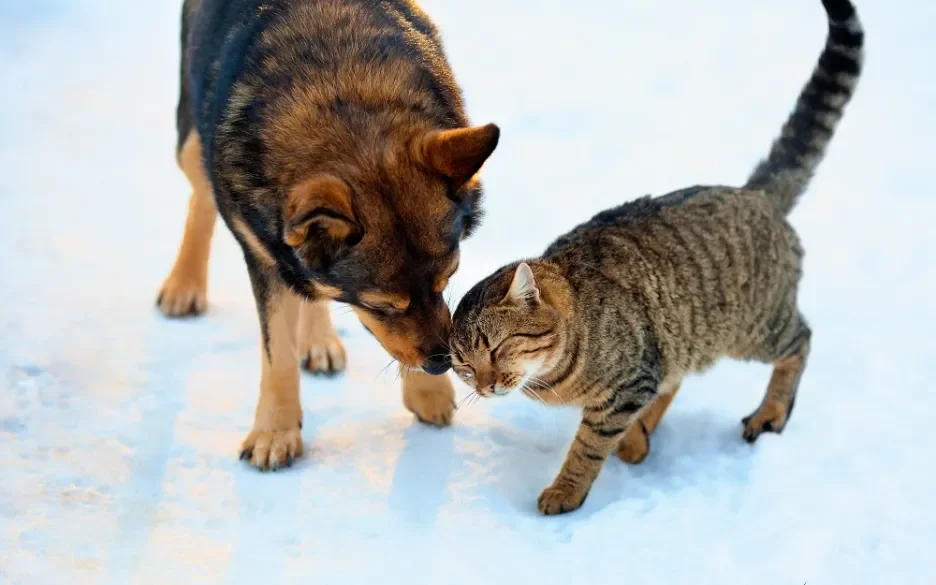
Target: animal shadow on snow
422,473
689,450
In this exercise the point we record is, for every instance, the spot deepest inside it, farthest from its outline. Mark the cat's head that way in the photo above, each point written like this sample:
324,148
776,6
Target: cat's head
508,331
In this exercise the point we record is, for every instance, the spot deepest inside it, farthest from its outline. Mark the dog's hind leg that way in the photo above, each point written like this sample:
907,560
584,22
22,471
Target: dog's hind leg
184,291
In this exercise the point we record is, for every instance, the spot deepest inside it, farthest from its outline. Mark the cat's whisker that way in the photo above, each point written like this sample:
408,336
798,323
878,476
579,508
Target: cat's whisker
444,343
463,400
538,382
539,398
527,392
535,388
546,386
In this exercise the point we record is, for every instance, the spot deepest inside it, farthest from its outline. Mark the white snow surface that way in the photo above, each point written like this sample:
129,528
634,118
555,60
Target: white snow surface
119,429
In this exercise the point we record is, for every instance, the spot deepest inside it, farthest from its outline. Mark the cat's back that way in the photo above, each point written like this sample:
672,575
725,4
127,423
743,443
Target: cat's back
710,216
704,265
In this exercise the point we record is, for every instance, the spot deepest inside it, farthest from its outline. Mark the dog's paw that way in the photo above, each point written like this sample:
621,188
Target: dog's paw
323,354
272,450
183,295
635,445
560,499
430,398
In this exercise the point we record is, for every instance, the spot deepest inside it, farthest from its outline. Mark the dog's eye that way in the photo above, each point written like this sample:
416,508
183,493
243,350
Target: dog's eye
442,279
385,310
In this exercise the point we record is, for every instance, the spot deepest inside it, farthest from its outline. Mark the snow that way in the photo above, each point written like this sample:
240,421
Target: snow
119,429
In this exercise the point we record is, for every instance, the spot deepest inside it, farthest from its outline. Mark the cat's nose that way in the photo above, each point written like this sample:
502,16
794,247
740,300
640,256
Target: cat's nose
438,362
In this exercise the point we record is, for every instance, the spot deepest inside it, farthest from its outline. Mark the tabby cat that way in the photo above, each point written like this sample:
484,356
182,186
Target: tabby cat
616,312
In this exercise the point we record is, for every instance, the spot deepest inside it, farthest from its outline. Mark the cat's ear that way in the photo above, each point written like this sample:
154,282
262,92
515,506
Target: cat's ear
318,220
523,287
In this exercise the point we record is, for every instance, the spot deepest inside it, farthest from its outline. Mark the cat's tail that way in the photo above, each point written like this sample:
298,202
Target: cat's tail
801,146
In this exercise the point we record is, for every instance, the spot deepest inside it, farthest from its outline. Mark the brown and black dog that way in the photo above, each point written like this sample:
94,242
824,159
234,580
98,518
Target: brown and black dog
332,138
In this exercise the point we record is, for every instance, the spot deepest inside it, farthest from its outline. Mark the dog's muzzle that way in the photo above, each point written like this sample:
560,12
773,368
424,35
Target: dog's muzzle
438,362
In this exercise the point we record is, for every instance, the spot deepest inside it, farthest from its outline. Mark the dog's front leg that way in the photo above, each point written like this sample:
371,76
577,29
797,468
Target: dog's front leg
276,438
430,398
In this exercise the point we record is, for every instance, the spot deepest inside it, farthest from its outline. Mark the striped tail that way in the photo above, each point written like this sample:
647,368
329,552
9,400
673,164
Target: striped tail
799,149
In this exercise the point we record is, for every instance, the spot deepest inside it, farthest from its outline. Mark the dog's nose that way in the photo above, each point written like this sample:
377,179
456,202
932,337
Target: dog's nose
438,362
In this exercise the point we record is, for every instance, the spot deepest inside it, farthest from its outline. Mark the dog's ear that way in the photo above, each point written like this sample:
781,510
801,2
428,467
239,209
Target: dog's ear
319,220
458,154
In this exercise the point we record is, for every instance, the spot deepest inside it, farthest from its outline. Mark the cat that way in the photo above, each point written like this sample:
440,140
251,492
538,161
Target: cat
617,311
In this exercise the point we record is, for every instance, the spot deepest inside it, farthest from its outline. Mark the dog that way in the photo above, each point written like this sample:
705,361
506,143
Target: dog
332,138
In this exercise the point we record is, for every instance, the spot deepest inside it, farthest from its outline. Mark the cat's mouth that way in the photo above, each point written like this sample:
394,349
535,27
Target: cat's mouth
500,390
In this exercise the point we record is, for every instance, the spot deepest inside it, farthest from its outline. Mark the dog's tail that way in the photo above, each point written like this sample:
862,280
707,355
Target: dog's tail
801,146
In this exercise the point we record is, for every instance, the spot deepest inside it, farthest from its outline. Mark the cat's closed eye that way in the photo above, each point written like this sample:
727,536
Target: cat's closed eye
527,343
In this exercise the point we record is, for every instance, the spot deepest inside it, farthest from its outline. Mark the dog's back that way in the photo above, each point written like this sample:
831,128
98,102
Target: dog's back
327,46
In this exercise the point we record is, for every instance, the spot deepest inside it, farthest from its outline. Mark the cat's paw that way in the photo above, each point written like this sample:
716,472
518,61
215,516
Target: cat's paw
635,445
771,417
560,499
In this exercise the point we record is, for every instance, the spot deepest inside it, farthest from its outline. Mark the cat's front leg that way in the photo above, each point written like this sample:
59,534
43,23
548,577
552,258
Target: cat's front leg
604,423
596,438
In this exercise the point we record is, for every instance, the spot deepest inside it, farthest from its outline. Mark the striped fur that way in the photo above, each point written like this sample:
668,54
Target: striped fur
619,310
801,146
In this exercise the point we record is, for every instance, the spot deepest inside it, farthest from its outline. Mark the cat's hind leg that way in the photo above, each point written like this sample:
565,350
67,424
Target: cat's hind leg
635,445
787,347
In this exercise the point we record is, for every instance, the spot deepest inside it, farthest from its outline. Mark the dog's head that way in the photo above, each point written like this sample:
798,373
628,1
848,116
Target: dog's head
381,232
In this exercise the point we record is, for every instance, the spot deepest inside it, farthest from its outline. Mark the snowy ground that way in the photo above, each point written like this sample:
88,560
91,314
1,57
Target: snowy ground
119,430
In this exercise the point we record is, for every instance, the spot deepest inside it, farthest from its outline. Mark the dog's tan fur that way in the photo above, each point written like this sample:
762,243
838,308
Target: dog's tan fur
185,290
275,439
331,137
431,398
320,349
